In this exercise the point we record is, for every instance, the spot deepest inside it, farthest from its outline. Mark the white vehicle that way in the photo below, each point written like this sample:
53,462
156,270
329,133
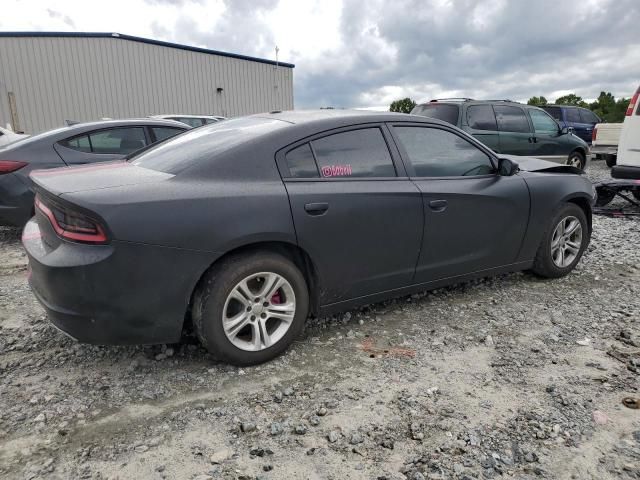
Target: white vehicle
192,120
626,174
629,145
604,142
7,136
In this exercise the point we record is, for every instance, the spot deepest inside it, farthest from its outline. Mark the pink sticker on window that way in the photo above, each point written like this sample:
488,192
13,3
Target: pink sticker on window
336,171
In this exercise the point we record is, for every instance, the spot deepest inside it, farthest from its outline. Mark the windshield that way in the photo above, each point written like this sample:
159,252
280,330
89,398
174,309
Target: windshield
442,111
204,143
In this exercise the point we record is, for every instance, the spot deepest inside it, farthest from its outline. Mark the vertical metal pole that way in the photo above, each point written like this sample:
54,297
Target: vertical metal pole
13,108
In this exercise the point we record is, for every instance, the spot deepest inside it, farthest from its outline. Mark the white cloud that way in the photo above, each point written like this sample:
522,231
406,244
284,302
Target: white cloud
350,53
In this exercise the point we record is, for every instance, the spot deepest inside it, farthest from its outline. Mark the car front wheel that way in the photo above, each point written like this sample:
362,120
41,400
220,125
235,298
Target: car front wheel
563,243
576,159
250,308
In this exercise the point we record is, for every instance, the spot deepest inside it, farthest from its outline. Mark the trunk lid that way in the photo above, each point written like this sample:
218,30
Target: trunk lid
58,181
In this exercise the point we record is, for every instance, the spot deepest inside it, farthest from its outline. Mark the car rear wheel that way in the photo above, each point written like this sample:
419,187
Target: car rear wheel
563,243
610,160
576,159
250,308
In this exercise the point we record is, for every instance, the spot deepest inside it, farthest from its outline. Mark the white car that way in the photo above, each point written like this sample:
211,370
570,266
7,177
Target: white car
626,174
7,136
629,146
192,120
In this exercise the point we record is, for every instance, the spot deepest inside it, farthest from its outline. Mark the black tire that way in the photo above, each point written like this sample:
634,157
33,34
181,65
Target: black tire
611,160
576,155
209,302
543,264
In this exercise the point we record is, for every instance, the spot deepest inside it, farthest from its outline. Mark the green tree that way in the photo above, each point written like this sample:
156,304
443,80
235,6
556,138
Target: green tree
403,106
571,99
537,101
608,108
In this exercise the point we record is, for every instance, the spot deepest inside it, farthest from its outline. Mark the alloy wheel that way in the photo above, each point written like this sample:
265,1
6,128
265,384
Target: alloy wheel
575,161
566,241
259,311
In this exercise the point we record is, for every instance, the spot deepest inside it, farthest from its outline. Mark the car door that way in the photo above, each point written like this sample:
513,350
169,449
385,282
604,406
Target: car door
582,130
589,120
515,132
549,142
355,211
102,145
474,219
481,123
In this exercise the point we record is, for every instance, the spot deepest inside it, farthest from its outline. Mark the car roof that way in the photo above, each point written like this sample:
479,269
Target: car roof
339,116
471,101
183,115
563,106
127,121
58,134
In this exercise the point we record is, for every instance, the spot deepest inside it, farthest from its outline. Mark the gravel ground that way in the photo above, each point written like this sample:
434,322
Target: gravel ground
509,377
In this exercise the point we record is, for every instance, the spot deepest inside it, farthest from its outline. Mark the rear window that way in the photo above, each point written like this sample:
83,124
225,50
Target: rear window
202,144
191,121
301,162
442,111
555,112
587,116
33,139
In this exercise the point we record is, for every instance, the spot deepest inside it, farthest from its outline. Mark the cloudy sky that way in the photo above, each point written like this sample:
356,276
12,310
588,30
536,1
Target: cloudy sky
368,53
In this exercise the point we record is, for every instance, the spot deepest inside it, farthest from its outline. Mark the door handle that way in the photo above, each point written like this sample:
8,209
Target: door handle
438,205
316,208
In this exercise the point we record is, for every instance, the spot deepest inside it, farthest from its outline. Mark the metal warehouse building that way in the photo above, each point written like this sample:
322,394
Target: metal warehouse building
47,78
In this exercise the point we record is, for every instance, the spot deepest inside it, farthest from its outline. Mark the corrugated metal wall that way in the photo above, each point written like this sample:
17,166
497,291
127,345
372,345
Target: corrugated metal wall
78,78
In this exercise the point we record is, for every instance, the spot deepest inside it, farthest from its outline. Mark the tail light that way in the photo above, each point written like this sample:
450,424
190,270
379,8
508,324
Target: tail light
632,103
72,225
8,166
594,135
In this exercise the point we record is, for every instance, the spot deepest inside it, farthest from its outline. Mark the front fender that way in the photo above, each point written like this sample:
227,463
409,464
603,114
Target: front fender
548,191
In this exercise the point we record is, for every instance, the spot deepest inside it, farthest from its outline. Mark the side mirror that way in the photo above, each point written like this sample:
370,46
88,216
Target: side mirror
507,168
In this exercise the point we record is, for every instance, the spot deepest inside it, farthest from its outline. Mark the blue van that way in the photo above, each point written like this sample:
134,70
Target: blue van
580,119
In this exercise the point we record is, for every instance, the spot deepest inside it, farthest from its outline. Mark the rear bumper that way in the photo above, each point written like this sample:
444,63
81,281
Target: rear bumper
116,294
16,201
625,172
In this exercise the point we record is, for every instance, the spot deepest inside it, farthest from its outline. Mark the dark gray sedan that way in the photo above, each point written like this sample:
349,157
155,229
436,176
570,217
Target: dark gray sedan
79,144
243,228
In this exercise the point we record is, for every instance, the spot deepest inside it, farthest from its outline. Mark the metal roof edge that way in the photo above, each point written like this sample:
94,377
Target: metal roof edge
150,41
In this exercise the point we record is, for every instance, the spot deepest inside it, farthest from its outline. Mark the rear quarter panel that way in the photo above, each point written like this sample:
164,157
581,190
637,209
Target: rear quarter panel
548,192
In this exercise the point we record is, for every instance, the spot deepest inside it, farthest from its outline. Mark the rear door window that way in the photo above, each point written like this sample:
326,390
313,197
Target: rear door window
355,153
118,140
573,115
446,112
434,152
481,117
511,119
301,162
